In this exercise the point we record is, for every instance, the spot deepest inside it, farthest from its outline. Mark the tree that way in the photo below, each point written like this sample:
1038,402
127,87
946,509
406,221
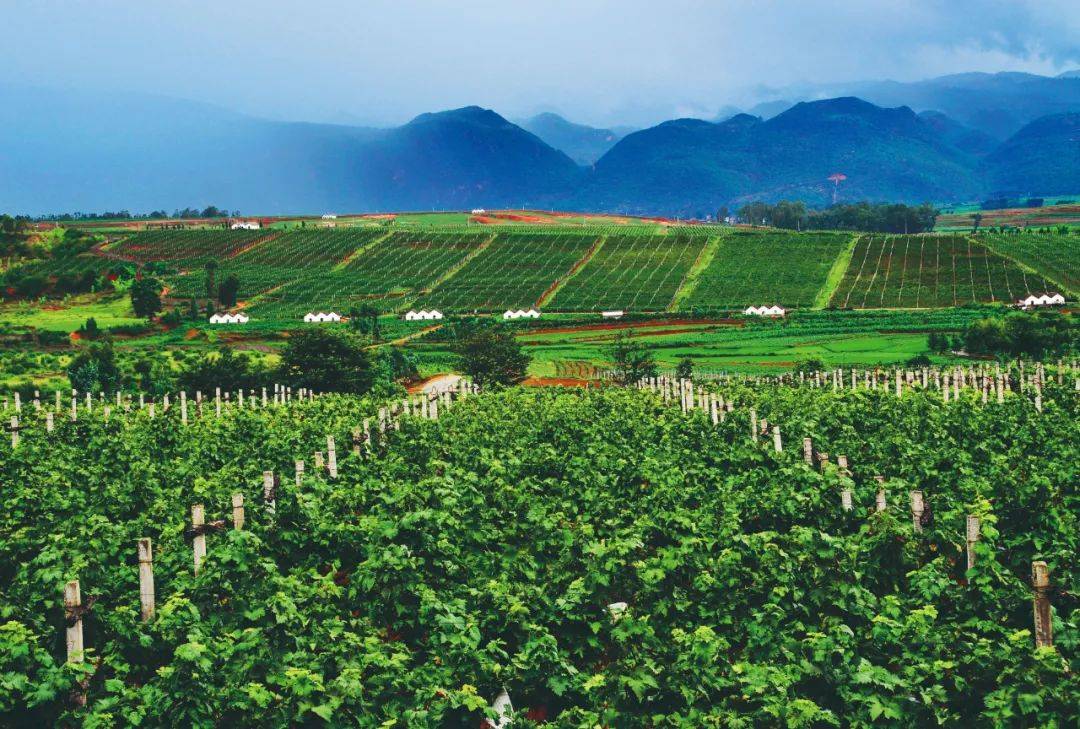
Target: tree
211,269
228,289
365,320
492,356
193,309
937,342
225,369
398,364
89,329
810,366
976,218
632,360
685,369
327,360
95,370
145,296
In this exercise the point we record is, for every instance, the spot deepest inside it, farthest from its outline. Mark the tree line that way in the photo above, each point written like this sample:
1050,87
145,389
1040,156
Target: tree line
863,216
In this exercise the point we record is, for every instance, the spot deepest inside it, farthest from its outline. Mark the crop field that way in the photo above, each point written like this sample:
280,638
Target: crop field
930,271
1055,256
602,556
769,268
632,272
513,271
187,247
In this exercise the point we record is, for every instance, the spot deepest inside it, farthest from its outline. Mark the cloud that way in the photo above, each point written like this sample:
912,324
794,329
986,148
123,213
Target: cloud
601,61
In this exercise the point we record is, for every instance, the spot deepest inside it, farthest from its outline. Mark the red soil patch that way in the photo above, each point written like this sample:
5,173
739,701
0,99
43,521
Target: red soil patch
555,382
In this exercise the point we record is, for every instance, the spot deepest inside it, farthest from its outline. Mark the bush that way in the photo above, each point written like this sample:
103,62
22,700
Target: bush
95,370
146,297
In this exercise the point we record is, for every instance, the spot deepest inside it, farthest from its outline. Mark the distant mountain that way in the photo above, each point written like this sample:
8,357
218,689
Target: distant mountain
71,152
460,159
691,166
958,135
995,103
1043,158
583,144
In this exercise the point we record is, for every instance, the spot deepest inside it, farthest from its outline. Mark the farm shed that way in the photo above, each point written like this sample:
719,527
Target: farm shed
321,317
616,314
765,311
245,225
1048,299
423,315
229,318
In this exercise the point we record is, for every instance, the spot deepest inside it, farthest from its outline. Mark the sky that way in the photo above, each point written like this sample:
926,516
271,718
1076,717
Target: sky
602,62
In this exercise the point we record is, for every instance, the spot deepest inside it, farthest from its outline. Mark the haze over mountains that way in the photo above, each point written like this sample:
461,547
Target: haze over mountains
955,138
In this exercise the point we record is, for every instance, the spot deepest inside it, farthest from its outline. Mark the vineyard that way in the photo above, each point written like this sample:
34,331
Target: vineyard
751,270
602,557
931,271
1055,256
635,272
455,268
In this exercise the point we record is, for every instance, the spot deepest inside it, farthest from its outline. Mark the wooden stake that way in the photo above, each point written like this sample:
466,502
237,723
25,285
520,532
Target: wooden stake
198,543
146,578
238,511
1040,580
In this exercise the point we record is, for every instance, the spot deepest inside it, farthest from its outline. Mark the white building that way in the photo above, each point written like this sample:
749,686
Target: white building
245,225
227,318
479,211
1047,299
423,315
521,314
615,314
765,311
321,317
329,216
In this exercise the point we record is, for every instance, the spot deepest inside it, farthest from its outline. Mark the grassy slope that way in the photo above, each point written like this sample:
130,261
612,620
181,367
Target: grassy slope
686,289
836,275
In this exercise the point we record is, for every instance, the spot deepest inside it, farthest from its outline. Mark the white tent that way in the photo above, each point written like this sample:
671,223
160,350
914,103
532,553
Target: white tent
773,310
411,316
321,317
532,314
752,311
509,314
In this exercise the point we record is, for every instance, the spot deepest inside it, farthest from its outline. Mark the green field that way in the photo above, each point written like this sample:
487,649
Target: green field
1057,257
930,271
770,268
631,272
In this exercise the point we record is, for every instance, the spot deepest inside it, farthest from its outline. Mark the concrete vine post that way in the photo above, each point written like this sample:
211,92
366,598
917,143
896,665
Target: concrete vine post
299,474
972,534
269,498
238,511
146,579
917,508
778,444
879,499
198,542
808,451
74,635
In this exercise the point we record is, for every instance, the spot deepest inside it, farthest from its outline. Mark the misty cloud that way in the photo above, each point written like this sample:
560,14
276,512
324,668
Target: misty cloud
603,61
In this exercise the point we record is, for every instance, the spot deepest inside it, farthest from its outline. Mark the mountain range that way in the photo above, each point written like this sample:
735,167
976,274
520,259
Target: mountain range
74,150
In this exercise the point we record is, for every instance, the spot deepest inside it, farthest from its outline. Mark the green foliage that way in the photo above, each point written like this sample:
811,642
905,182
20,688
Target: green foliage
228,289
481,550
326,360
1024,335
94,369
492,356
146,296
685,369
226,368
631,359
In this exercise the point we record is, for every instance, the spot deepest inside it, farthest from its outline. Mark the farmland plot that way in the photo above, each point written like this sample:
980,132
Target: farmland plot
930,271
635,272
513,271
770,268
1055,256
187,247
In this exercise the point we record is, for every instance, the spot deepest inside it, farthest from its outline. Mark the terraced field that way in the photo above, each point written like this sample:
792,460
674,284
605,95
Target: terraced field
632,272
187,247
930,271
513,271
1055,256
770,268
